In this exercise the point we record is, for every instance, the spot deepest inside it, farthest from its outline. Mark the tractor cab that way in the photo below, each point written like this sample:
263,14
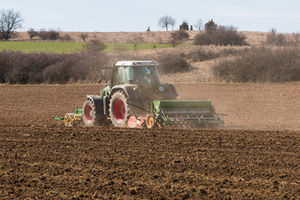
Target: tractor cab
132,72
138,79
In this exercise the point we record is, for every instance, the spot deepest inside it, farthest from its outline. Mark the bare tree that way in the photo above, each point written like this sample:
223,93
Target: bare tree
32,33
83,36
178,37
10,21
166,21
198,24
172,22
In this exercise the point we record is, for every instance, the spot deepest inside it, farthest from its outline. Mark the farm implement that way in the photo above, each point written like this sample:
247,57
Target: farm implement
134,97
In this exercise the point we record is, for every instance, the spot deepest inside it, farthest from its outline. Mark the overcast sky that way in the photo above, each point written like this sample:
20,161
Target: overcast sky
137,15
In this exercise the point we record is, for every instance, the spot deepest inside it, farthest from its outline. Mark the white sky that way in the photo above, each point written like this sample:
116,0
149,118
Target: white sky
137,15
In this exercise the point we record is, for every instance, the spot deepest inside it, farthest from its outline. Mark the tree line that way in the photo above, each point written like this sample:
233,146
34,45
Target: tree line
166,21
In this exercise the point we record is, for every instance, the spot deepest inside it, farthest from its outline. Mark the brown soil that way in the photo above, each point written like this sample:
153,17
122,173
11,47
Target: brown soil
40,158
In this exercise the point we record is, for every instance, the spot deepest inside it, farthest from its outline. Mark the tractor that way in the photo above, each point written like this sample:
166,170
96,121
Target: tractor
134,97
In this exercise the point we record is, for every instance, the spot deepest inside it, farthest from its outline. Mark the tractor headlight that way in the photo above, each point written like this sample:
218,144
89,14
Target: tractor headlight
161,88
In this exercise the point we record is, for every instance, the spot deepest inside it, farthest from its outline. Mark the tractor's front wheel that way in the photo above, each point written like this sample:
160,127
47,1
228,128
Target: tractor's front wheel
92,115
119,109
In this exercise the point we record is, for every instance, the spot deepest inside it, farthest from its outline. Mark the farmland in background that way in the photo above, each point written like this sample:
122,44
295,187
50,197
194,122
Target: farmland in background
161,37
48,47
72,47
205,63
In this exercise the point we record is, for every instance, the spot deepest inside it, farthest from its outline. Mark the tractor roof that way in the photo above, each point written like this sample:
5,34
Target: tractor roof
136,63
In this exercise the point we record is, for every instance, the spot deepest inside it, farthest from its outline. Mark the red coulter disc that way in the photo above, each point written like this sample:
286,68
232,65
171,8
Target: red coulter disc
132,122
87,112
119,109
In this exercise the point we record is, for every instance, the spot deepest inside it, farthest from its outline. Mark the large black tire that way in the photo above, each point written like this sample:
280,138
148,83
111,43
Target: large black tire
119,109
92,115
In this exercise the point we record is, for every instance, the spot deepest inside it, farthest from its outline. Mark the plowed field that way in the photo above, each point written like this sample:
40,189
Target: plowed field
256,156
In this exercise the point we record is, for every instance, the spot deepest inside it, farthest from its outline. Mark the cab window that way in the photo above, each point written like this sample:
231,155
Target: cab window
120,76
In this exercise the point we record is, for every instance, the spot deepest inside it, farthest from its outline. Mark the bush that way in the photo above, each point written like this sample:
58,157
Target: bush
88,66
61,71
23,68
11,35
275,38
261,65
234,51
210,26
4,66
201,54
178,37
84,36
278,39
221,36
32,33
94,46
184,26
49,35
66,37
173,63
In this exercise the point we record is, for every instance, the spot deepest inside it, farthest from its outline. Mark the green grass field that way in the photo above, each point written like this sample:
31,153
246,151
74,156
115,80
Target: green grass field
71,47
49,47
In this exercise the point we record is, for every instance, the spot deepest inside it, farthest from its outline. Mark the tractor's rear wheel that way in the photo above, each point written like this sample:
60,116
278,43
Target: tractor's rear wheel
91,115
119,109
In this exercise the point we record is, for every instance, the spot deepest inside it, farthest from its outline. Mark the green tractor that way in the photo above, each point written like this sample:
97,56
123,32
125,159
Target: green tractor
134,97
